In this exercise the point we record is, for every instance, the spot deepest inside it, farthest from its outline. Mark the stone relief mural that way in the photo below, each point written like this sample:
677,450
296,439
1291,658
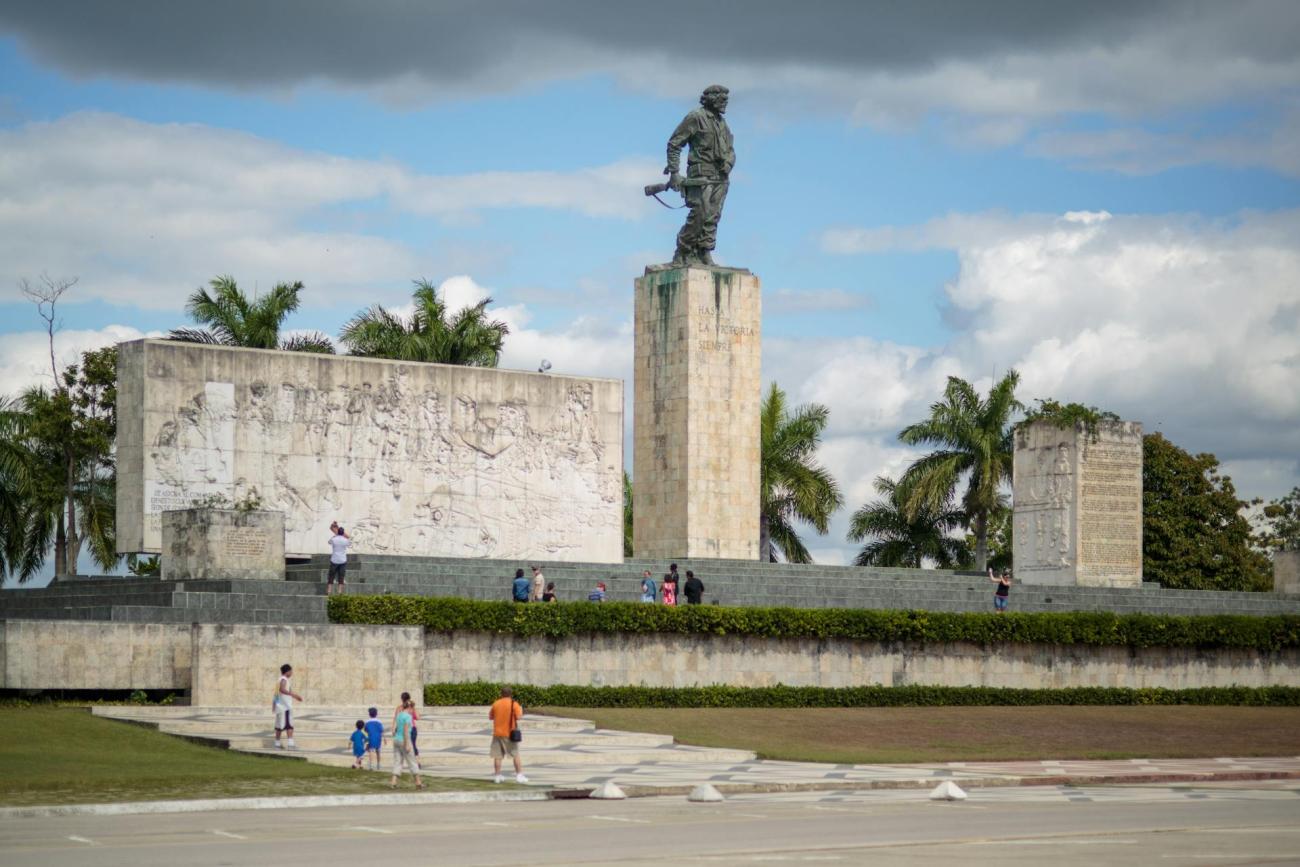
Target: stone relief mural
1044,497
411,460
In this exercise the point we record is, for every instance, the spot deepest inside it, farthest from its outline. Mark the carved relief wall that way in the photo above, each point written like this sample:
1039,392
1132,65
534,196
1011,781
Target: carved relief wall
413,459
1077,516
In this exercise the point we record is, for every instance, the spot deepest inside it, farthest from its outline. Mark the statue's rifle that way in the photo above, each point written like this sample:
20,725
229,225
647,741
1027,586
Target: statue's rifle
654,190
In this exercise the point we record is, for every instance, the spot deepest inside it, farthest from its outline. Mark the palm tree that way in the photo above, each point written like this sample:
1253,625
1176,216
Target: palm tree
427,335
793,486
28,510
898,541
232,319
974,439
627,515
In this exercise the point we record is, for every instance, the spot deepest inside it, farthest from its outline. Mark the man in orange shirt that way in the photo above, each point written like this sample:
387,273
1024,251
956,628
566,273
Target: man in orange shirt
505,714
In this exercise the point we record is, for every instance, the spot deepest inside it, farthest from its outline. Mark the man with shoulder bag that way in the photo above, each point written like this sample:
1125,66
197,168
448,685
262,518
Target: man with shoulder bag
506,736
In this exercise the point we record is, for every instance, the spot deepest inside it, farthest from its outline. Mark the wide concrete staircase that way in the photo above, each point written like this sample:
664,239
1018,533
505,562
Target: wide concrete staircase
152,600
743,582
453,741
727,582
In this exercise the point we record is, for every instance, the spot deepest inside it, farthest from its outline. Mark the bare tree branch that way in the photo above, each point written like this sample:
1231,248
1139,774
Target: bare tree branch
46,296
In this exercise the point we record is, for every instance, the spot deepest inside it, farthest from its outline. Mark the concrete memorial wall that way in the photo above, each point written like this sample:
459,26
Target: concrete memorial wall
697,396
1078,505
413,459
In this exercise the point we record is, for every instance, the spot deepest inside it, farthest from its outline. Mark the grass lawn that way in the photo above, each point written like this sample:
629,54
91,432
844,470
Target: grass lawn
63,755
942,734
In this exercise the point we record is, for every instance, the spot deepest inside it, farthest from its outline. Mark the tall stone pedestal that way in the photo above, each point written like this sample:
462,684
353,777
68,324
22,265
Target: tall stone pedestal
1078,505
697,394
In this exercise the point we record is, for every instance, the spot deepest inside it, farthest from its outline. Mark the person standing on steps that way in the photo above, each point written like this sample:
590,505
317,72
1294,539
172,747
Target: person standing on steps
282,704
670,589
1001,595
649,592
521,587
694,589
505,713
539,585
340,541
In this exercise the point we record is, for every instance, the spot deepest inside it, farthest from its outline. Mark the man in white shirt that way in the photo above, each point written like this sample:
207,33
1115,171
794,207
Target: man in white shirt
282,704
539,585
339,544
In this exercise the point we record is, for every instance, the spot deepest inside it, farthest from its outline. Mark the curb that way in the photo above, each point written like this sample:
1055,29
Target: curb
131,808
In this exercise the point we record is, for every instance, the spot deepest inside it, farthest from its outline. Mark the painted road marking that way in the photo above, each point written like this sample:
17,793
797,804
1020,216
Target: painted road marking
221,833
498,824
74,838
621,819
369,829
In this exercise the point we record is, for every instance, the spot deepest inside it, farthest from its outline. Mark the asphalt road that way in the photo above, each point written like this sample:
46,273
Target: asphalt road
1129,826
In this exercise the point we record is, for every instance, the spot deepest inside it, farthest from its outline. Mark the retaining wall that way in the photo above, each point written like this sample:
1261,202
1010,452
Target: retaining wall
238,665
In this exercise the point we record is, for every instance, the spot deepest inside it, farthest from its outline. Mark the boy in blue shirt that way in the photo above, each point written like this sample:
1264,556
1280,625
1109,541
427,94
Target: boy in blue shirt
358,745
374,738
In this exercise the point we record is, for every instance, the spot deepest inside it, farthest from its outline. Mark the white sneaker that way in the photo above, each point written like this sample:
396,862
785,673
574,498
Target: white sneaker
292,745
498,779
279,745
520,778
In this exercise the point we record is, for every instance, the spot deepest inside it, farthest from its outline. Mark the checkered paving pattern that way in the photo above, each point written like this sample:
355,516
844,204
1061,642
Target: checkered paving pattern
572,753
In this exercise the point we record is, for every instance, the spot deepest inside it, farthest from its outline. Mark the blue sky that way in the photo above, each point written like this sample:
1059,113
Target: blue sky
1105,200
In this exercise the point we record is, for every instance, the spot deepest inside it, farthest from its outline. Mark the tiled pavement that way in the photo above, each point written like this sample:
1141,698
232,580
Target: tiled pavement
573,754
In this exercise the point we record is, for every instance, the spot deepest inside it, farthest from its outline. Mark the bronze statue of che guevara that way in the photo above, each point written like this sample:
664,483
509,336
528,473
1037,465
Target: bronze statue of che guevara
708,169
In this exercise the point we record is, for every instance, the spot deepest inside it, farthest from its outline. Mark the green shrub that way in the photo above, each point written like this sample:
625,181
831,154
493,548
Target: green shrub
1265,634
480,693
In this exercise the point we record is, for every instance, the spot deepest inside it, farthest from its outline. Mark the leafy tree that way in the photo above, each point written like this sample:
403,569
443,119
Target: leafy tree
897,540
58,471
973,436
627,515
1193,533
1281,520
232,319
792,485
467,338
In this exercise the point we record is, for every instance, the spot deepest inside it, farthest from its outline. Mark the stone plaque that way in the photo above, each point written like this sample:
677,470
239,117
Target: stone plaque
697,395
412,459
1078,505
222,543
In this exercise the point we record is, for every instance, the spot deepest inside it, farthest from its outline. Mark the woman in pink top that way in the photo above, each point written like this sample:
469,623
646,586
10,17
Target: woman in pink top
669,589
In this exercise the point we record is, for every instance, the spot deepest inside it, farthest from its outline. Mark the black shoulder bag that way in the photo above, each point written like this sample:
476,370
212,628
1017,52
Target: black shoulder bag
515,734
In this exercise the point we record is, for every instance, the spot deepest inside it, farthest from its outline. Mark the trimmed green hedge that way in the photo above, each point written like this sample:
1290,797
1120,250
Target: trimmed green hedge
480,693
581,618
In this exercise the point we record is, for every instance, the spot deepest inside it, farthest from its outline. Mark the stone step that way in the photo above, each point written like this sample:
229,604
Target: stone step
574,757
436,741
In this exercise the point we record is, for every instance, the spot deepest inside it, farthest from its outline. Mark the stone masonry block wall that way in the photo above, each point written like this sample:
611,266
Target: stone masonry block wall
415,459
696,413
677,660
1286,572
234,666
72,654
332,665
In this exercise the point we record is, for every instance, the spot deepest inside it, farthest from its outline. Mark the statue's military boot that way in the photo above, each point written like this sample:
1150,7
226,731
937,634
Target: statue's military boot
683,256
704,257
